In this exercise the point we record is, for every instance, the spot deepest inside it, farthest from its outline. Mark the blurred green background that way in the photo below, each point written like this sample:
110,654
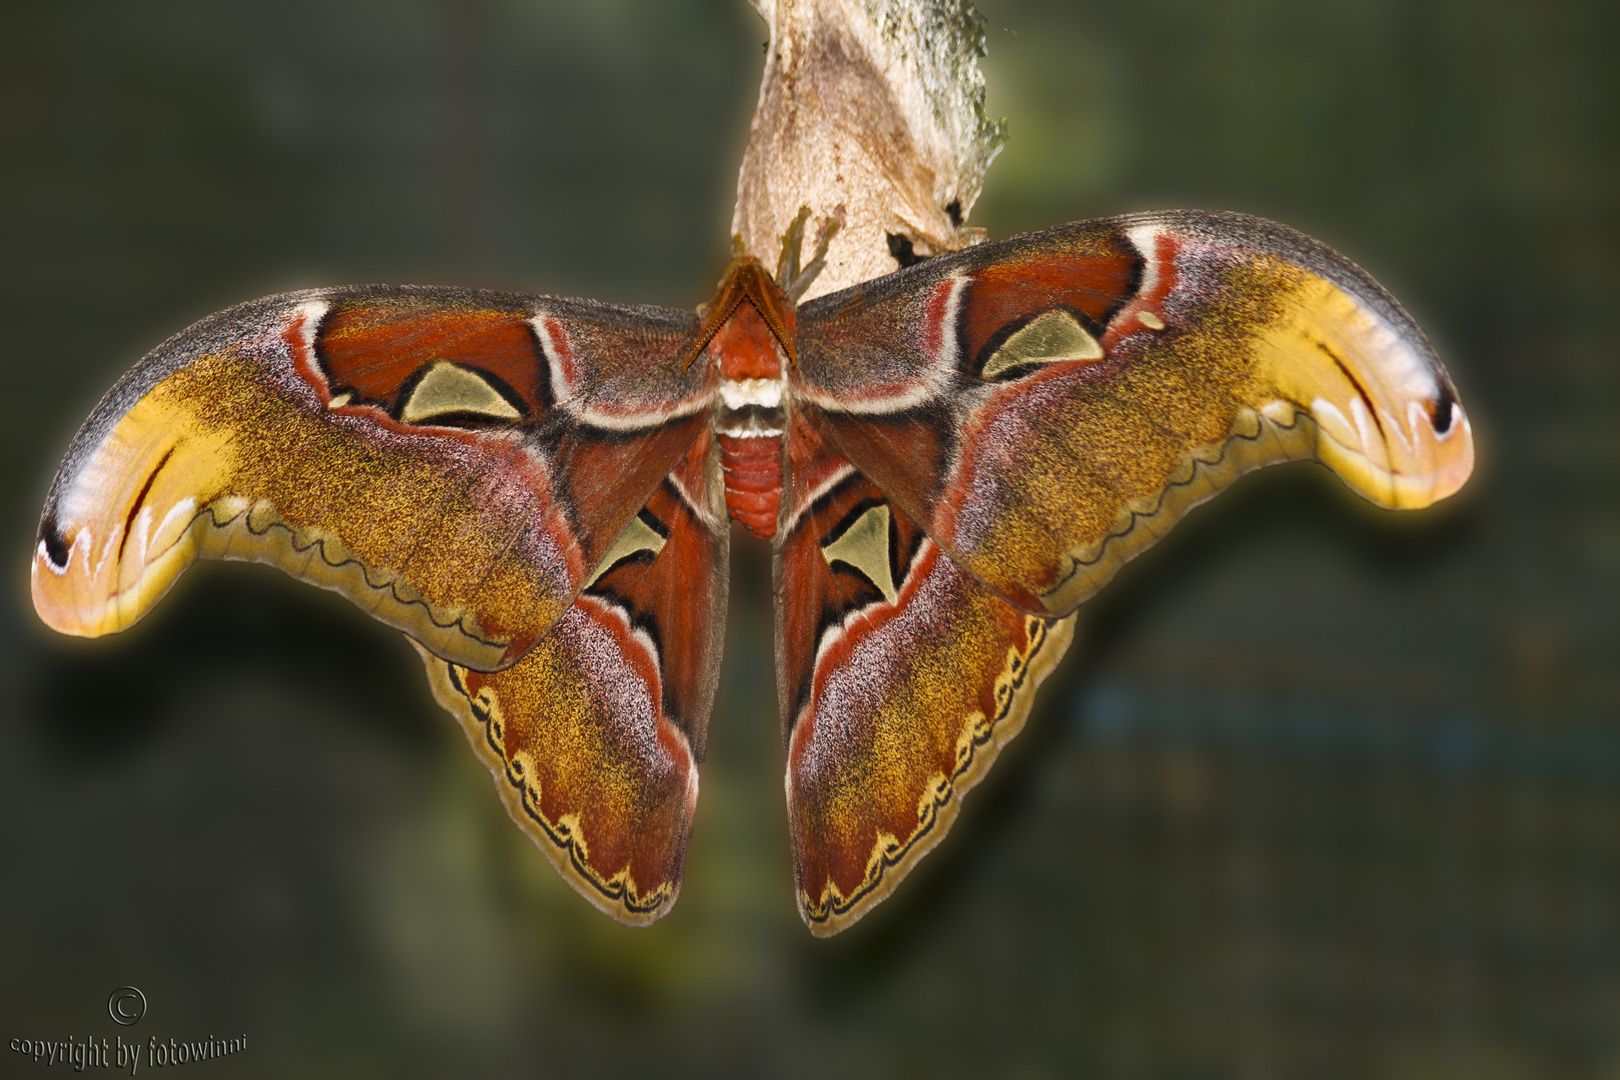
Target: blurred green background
1323,791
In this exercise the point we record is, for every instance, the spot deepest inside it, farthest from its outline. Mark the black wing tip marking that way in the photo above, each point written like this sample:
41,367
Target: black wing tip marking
1445,409
54,543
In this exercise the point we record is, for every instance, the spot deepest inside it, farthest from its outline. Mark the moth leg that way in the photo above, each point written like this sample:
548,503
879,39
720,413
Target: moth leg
787,266
818,262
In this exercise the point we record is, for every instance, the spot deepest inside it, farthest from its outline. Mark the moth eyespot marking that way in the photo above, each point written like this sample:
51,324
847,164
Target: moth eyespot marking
447,388
638,536
1445,412
1047,339
53,544
1150,320
341,400
864,547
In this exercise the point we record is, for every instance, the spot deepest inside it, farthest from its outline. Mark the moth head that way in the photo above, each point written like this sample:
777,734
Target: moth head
747,281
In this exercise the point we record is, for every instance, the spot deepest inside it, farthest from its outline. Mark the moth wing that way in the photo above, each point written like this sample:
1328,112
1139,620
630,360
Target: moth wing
900,675
456,462
594,736
1046,407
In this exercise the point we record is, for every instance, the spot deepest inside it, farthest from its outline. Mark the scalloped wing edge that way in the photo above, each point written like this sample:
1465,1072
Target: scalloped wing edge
979,744
562,842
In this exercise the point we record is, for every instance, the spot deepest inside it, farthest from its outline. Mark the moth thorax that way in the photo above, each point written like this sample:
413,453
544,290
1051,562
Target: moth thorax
746,347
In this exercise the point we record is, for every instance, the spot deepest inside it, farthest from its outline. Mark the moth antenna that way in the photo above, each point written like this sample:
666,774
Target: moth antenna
818,261
787,268
711,317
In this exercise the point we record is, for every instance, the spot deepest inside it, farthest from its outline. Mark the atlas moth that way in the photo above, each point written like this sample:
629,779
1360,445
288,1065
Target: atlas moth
947,461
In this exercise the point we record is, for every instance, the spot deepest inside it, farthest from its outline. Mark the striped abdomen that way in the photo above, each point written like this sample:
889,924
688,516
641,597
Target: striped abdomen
753,468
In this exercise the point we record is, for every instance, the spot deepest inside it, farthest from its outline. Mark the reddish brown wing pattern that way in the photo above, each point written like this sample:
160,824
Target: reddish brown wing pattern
1047,406
593,737
456,462
901,677
973,447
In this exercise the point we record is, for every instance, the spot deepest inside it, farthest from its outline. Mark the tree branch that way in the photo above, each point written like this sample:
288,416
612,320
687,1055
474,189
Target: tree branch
875,106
